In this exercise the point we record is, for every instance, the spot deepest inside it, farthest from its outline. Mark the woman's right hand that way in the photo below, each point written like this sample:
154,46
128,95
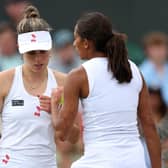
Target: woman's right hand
56,97
45,103
55,103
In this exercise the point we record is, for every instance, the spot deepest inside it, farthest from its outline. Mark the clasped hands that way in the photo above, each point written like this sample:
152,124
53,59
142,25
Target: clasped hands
53,105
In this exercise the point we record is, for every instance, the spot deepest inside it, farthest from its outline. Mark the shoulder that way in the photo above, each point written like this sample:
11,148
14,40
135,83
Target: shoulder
77,72
134,67
7,75
60,77
6,78
132,64
77,76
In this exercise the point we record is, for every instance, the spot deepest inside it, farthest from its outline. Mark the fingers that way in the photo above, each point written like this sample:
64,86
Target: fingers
46,107
55,103
45,103
56,98
56,95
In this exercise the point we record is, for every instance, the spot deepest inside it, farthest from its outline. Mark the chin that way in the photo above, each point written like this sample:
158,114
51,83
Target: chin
38,69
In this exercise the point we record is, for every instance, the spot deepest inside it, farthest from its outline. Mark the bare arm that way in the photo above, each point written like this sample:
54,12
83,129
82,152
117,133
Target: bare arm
148,127
1,103
6,78
2,93
64,122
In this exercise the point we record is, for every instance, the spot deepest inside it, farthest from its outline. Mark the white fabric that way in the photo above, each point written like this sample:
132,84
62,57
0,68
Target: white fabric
38,40
111,136
130,155
27,132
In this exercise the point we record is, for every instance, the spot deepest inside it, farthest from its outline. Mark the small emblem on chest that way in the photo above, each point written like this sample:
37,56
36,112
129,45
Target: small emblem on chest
37,113
6,159
17,102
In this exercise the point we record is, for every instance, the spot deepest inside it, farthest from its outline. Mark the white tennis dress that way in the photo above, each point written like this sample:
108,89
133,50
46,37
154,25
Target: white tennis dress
111,136
27,133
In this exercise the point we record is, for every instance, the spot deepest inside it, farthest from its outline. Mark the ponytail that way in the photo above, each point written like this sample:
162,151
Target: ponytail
117,56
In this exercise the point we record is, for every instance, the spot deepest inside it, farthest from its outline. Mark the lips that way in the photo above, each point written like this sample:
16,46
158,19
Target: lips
38,66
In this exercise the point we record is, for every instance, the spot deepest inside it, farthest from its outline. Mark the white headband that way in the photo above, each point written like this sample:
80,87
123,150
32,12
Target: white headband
37,40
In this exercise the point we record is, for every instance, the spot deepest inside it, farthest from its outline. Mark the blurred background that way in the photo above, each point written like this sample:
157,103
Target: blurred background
133,17
144,23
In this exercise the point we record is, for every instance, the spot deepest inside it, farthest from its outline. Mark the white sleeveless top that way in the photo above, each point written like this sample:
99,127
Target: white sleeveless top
110,110
27,133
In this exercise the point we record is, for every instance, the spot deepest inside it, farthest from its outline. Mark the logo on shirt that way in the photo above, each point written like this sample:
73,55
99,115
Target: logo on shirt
6,159
17,102
37,112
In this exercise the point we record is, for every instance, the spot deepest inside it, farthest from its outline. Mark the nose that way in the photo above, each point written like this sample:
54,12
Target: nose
38,57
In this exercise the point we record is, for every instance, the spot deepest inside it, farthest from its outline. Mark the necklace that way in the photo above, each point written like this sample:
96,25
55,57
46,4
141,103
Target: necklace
33,84
33,87
29,83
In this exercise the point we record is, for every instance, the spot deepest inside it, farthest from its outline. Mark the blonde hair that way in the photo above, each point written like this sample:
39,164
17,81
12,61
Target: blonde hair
32,21
155,38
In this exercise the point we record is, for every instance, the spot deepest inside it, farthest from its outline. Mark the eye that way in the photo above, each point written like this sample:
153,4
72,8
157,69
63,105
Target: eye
43,52
37,52
31,52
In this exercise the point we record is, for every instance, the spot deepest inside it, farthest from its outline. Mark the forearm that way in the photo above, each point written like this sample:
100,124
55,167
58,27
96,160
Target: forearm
154,147
74,134
64,128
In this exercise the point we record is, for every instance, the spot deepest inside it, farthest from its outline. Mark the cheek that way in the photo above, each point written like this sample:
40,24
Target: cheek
45,59
83,54
26,59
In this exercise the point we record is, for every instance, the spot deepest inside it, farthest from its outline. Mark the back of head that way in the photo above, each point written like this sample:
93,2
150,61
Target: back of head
32,21
97,27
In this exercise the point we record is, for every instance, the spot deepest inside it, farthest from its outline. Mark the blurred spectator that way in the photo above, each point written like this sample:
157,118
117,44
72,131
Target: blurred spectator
64,56
158,105
14,9
9,56
155,66
160,116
